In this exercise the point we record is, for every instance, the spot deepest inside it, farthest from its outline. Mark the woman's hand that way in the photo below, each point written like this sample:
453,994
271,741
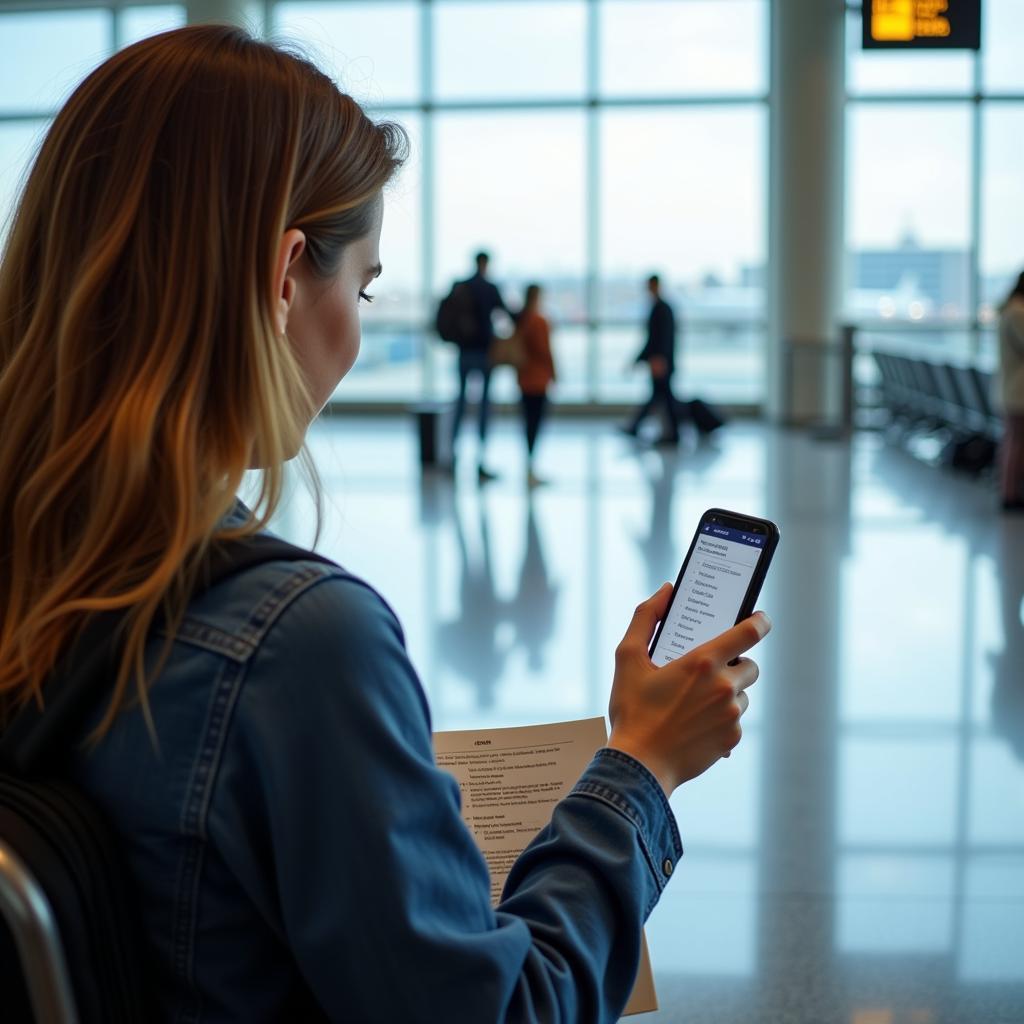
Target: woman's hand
678,720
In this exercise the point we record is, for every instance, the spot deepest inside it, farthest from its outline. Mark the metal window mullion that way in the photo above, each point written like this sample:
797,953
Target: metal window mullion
592,199
7,117
116,32
432,584
974,285
768,205
571,103
428,220
55,6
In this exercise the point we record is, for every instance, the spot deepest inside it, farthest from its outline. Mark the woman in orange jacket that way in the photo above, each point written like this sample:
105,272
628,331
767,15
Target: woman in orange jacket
536,372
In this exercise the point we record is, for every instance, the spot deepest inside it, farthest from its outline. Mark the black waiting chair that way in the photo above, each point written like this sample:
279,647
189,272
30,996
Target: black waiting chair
943,400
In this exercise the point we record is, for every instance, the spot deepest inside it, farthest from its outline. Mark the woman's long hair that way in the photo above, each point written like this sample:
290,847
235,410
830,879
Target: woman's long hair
140,370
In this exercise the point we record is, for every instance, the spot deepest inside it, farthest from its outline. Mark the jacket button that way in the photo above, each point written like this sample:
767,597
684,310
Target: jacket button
667,867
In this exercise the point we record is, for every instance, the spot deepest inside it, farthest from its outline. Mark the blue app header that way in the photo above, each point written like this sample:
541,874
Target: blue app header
756,540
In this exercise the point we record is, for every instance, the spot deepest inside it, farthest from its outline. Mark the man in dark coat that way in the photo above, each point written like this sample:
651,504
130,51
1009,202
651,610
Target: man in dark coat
474,354
660,355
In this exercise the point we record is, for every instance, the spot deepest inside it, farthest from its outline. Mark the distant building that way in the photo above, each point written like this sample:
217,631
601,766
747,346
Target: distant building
928,282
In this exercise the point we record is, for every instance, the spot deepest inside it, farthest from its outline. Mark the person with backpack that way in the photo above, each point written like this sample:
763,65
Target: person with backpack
471,305
179,297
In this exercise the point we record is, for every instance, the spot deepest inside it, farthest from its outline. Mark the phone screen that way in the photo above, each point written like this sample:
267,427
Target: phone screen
710,593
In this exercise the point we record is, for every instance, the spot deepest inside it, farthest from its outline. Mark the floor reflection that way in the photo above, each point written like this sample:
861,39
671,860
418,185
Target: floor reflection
1007,663
532,610
655,544
474,643
861,857
468,643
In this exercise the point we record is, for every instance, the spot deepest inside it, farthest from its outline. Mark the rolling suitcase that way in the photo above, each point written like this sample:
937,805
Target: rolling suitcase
705,417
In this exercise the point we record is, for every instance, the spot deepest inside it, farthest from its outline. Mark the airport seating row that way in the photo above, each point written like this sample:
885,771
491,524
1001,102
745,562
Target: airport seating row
938,394
946,399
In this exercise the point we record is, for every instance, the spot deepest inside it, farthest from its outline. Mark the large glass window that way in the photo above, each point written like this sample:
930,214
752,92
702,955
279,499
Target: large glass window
589,142
47,53
908,227
933,219
141,22
371,49
677,195
512,184
522,147
391,357
585,143
693,47
509,50
678,198
1003,43
19,141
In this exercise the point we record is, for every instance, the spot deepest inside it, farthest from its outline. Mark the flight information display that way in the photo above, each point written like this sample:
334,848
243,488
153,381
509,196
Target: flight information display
922,24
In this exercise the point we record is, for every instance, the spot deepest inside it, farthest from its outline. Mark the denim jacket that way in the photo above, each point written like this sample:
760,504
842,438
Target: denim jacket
298,856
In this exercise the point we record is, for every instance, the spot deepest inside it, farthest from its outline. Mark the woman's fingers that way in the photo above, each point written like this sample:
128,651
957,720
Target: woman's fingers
743,674
645,618
729,645
682,717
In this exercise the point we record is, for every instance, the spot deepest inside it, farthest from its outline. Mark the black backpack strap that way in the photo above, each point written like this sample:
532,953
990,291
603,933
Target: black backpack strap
83,675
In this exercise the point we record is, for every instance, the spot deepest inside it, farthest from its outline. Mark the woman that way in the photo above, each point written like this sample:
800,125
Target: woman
536,372
1011,379
178,298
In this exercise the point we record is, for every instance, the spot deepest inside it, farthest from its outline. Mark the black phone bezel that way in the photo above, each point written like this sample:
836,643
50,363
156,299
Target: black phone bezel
736,521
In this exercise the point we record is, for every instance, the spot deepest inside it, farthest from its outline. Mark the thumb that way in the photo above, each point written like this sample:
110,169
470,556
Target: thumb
646,617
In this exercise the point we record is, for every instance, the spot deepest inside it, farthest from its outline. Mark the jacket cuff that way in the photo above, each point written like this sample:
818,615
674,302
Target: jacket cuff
623,783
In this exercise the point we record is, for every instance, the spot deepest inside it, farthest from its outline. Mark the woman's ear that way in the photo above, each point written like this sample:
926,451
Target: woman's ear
289,250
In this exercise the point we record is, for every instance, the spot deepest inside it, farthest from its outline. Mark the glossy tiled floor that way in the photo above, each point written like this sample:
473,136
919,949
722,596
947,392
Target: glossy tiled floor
861,857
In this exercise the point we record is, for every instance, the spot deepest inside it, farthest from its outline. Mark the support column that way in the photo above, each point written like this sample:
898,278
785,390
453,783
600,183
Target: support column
232,12
806,209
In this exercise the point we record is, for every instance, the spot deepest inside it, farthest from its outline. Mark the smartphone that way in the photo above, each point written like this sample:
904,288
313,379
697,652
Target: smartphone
719,582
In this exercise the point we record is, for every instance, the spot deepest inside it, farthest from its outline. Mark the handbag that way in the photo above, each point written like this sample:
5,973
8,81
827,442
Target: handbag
508,351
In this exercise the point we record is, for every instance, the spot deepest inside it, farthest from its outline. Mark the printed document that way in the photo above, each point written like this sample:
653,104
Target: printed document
510,780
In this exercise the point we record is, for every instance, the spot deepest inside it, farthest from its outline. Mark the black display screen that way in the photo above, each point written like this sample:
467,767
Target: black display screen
922,24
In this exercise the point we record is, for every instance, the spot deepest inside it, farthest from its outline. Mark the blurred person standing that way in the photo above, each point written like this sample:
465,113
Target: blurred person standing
659,353
1011,383
536,372
474,356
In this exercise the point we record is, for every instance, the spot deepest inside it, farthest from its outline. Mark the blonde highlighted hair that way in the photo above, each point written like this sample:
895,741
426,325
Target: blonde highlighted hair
140,370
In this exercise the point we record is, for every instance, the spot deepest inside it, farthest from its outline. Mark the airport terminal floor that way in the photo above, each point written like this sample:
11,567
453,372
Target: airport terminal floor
860,857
